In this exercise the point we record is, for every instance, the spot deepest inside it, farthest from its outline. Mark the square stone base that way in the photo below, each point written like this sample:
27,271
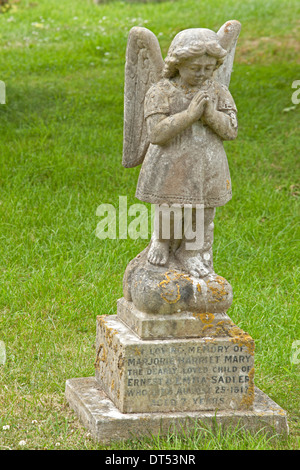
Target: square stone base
107,424
173,375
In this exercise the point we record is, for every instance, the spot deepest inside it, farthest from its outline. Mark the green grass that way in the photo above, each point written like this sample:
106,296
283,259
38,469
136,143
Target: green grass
60,150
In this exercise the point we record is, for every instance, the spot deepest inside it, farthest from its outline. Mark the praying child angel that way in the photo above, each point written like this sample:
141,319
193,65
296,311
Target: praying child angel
178,112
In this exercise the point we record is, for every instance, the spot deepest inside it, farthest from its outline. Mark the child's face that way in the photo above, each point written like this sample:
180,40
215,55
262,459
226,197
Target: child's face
196,70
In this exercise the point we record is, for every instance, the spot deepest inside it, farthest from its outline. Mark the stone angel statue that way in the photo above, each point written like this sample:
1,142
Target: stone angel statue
177,113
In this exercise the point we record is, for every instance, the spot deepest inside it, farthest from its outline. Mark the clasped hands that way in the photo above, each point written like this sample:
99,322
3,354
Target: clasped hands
201,105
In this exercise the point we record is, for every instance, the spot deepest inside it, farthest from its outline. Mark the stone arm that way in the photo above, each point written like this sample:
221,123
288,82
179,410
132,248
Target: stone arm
221,118
223,123
162,128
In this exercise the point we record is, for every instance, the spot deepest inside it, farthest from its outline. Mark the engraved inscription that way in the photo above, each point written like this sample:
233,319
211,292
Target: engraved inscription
191,376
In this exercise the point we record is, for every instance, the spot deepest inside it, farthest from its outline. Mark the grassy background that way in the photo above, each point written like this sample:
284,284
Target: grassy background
60,150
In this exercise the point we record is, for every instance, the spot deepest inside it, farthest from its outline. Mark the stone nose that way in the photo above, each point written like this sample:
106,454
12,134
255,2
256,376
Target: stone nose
200,72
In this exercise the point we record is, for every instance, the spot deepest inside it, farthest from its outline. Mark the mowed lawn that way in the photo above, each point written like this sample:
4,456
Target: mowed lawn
61,150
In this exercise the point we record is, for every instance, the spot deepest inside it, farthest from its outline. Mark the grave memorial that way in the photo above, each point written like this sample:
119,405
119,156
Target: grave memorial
171,354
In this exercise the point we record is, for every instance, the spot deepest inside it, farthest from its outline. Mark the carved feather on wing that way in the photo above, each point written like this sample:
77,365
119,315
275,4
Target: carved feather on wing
144,64
228,35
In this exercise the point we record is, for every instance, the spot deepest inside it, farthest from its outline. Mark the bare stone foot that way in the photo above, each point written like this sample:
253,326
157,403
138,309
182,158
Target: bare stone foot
192,263
158,252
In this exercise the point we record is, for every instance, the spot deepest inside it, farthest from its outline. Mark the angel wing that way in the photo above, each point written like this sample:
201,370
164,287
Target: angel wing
228,35
144,64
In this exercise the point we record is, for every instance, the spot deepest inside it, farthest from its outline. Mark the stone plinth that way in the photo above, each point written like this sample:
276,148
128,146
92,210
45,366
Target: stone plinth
169,375
144,386
178,325
107,424
159,372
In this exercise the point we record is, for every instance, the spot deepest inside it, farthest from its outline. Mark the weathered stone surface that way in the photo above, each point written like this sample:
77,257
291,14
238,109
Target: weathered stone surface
167,289
177,114
172,353
107,424
176,325
175,374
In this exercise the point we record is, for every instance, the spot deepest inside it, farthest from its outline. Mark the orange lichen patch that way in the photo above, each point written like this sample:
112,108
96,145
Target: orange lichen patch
207,326
227,26
112,385
171,287
227,184
176,276
121,363
219,331
101,321
218,293
198,287
109,333
137,352
205,317
101,356
223,327
248,399
172,295
209,340
241,338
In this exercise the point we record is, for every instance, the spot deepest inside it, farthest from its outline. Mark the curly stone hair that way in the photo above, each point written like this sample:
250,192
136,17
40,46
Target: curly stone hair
192,43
